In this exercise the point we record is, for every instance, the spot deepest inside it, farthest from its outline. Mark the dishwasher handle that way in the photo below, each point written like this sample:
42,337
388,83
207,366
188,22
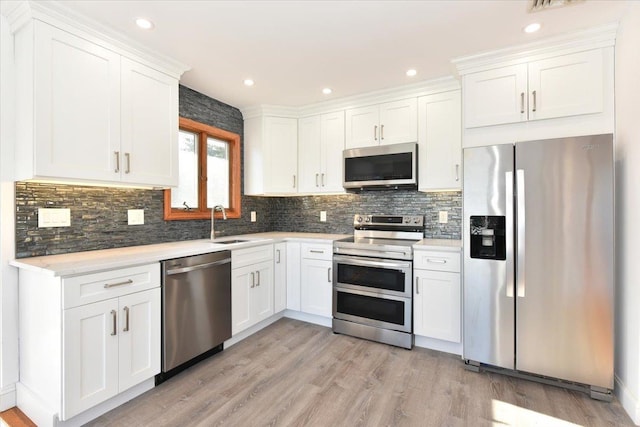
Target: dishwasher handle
197,267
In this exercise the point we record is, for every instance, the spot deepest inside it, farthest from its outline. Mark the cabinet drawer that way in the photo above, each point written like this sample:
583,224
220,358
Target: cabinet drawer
248,256
439,261
89,288
316,251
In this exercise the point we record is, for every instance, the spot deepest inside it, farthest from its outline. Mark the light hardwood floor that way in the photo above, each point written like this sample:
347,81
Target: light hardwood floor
297,374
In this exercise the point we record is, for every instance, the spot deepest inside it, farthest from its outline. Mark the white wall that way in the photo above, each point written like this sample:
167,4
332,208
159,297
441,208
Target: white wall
8,275
628,211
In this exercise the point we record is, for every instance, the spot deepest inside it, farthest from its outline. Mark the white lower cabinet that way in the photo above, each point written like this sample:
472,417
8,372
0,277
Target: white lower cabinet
252,287
436,295
109,346
279,277
293,276
316,279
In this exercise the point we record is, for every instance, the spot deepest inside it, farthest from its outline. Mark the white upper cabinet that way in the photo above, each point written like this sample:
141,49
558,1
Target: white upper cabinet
389,123
271,155
320,145
88,112
440,142
561,86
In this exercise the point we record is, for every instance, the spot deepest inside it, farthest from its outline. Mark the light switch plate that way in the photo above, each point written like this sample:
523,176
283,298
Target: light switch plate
323,216
54,217
253,216
135,216
443,217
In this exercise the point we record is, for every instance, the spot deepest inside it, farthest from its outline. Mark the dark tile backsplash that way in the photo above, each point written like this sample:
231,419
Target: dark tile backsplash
99,214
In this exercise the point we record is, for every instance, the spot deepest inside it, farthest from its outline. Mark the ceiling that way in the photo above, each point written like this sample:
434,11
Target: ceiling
294,49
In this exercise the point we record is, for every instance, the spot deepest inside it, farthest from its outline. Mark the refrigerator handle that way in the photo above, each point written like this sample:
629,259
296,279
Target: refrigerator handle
508,196
520,218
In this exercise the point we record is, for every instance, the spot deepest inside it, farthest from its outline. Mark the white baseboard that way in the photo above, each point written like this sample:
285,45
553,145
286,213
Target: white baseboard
7,397
309,318
438,345
252,330
628,400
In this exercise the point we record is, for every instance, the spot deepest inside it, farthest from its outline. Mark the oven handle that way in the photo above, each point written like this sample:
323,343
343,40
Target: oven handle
368,252
371,263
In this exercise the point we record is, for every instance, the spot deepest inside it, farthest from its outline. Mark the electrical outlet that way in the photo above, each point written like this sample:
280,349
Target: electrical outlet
443,217
135,216
54,217
253,216
323,216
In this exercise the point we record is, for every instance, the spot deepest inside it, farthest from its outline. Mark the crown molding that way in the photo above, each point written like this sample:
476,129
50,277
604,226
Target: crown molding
21,13
592,38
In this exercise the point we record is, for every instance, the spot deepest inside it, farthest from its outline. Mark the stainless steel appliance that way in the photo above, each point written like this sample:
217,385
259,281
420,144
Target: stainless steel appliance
196,309
372,279
380,167
538,260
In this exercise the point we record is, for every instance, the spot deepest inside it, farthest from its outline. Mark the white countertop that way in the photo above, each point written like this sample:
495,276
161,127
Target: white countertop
93,261
448,245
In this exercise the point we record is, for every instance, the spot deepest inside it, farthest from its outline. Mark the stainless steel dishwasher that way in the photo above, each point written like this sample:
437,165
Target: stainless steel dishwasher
196,309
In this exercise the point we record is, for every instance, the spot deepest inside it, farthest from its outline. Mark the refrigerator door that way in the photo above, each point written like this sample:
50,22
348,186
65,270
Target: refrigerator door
564,272
488,283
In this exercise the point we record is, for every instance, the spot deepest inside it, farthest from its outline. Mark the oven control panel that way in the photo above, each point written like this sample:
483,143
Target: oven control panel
389,222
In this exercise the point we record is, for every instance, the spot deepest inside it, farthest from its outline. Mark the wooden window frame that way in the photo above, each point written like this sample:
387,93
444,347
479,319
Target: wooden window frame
202,212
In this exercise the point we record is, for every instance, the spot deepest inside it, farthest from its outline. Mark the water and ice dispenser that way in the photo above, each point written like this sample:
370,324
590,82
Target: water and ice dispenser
488,237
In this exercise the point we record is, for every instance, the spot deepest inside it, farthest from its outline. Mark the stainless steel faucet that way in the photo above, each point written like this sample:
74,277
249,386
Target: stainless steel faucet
213,211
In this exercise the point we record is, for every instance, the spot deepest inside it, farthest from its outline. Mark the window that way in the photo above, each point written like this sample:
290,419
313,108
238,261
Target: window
209,165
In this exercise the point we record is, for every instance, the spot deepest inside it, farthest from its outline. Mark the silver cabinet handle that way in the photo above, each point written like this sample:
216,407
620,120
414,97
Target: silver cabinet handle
417,286
258,275
128,157
114,330
277,256
317,175
329,275
294,181
322,180
520,227
313,251
126,319
381,132
253,280
437,261
375,132
117,154
508,190
457,172
521,102
113,285
534,100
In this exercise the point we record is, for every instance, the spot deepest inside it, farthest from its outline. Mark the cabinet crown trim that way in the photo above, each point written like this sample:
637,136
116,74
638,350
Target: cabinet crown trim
593,38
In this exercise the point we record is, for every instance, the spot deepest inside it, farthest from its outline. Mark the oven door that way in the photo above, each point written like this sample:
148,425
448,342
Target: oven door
389,277
373,309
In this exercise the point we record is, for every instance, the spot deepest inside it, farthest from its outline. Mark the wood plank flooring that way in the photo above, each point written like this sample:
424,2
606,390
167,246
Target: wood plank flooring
14,417
297,374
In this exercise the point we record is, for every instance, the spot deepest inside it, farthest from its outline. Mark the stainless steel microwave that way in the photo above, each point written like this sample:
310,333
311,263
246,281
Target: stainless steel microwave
380,167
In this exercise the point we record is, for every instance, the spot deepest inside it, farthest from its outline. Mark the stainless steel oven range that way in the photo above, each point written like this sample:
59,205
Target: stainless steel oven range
372,279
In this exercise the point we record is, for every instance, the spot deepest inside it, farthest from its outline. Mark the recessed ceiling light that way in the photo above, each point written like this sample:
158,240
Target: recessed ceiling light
144,23
327,91
532,28
248,82
411,72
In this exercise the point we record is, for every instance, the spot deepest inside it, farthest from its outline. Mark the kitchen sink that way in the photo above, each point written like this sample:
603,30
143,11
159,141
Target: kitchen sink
228,242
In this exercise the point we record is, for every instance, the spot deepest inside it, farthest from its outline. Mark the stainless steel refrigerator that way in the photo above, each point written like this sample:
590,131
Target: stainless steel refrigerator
538,289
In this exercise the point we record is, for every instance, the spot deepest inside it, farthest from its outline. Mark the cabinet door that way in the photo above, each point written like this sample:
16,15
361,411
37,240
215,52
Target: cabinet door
332,145
496,96
281,136
242,283
90,356
280,277
139,333
436,305
77,107
261,296
149,126
362,128
309,155
399,121
293,276
440,142
316,287
566,85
